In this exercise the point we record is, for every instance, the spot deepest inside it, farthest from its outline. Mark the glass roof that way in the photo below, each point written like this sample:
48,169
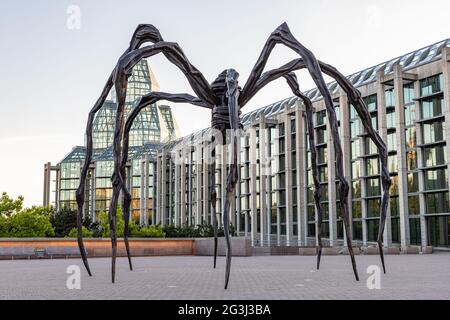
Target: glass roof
154,125
408,61
135,152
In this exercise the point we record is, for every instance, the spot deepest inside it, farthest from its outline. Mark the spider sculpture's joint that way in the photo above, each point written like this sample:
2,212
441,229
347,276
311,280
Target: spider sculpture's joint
220,118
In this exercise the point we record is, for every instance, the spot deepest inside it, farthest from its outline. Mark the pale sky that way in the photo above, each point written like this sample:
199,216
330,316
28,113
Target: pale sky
51,75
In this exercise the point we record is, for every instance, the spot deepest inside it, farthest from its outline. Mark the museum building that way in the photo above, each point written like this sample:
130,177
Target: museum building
153,127
408,98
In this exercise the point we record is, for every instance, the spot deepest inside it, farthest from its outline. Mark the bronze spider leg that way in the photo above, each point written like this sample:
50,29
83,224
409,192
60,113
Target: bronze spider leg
122,71
233,107
212,170
143,102
142,34
354,97
284,36
293,84
356,100
81,188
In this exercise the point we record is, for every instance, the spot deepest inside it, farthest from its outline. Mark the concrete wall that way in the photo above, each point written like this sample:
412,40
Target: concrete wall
241,246
28,248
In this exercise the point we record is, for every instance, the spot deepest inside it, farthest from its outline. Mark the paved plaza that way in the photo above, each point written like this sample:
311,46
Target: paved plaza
258,277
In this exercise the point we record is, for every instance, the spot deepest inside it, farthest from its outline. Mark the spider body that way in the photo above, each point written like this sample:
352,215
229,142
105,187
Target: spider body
225,99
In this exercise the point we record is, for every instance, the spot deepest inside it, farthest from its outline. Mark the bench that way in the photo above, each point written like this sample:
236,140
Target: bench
19,252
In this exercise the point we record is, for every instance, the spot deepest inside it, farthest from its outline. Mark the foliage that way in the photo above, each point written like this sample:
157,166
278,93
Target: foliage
85,232
33,222
103,222
135,230
65,220
152,231
199,231
9,206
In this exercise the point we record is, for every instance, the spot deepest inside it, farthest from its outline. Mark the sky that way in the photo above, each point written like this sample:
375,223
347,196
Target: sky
55,57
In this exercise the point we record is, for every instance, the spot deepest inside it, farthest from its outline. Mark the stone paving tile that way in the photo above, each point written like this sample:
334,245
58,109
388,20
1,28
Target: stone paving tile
259,277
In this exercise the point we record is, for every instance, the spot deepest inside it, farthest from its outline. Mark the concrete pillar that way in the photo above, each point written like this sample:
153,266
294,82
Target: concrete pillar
363,173
277,180
401,157
163,211
198,183
420,164
190,186
177,197
158,178
331,185
346,150
223,182
264,171
300,130
288,177
183,199
382,130
170,178
47,177
58,188
316,225
206,192
237,222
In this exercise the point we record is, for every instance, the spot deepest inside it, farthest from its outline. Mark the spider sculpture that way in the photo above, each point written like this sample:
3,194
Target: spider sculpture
225,99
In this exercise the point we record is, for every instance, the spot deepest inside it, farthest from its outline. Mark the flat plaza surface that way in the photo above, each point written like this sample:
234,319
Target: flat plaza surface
259,277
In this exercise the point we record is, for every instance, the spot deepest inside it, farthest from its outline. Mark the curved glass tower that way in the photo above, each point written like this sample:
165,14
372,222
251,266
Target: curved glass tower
154,125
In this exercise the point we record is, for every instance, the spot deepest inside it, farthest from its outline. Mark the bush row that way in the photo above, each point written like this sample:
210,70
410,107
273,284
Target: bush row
45,222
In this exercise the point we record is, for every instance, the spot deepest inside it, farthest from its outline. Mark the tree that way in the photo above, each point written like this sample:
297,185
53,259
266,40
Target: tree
33,222
85,232
9,206
103,220
63,221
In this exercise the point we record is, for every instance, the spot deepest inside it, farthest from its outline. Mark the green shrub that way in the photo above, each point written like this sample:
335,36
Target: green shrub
103,221
34,222
199,231
65,220
85,232
152,231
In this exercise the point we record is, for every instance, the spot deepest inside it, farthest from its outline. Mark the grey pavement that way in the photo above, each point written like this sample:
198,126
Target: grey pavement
257,277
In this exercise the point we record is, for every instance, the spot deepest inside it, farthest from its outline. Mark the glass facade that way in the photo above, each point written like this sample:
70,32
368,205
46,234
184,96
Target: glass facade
154,124
410,118
409,114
